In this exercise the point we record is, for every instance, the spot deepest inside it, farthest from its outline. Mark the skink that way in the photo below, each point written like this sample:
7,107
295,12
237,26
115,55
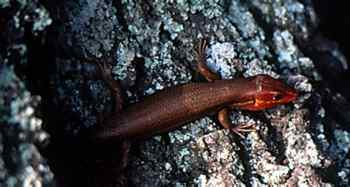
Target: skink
173,107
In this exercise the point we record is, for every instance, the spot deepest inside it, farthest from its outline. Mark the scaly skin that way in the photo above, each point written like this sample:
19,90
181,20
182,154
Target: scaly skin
173,107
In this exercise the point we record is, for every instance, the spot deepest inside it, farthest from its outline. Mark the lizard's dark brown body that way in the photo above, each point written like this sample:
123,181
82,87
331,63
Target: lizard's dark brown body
173,107
167,109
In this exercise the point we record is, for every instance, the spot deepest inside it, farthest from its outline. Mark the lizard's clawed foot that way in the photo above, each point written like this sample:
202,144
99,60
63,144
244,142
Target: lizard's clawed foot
243,128
201,65
105,71
202,46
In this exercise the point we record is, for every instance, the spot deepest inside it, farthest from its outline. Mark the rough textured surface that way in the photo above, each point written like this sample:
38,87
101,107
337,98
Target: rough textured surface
90,29
151,46
21,164
21,132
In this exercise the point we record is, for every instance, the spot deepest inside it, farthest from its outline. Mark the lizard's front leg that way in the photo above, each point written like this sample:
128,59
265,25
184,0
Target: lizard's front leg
223,115
225,121
201,66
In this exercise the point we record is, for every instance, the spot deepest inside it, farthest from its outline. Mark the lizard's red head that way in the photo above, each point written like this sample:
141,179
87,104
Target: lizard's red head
268,92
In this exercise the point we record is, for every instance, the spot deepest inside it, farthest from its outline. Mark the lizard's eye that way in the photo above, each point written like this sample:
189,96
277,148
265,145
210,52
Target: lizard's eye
277,97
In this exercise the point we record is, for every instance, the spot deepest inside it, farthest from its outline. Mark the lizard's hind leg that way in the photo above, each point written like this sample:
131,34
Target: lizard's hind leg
113,85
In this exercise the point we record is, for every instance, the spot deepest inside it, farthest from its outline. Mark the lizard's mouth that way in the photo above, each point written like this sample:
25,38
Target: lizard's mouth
263,102
245,105
255,104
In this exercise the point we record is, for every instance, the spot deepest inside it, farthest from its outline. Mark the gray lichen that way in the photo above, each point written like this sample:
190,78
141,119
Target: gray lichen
20,163
4,3
245,39
90,30
31,12
237,45
21,132
339,152
24,15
